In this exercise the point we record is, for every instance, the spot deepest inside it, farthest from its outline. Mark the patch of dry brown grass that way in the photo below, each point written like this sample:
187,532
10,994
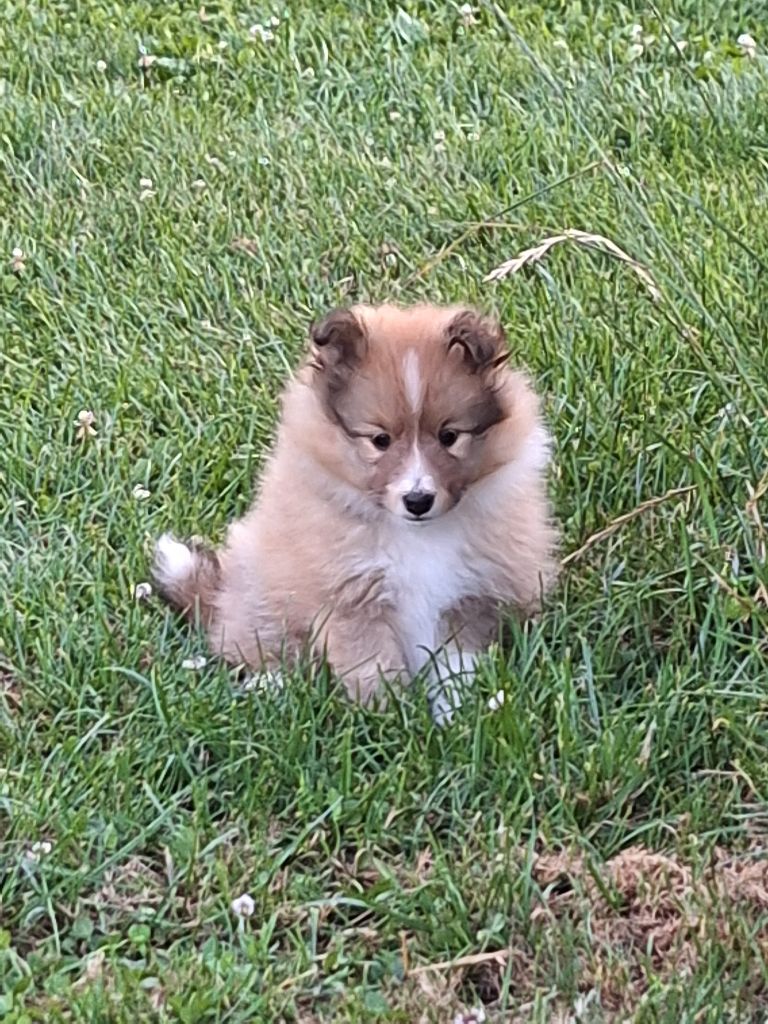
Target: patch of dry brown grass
641,917
651,915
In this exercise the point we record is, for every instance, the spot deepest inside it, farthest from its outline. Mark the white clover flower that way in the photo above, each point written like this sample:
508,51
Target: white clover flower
38,850
194,664
142,591
474,1016
467,14
18,264
101,65
747,45
726,411
84,423
243,906
497,701
258,31
140,493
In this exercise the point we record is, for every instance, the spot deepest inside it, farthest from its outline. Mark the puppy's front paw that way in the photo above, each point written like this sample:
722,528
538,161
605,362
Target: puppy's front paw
444,702
265,681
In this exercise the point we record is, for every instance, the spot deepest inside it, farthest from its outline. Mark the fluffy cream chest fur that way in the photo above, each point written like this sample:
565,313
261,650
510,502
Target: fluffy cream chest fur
426,572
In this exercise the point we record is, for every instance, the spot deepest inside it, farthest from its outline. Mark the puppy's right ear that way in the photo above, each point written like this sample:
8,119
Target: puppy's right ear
338,343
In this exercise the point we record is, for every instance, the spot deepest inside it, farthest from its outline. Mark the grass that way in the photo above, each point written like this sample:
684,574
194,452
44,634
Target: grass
371,151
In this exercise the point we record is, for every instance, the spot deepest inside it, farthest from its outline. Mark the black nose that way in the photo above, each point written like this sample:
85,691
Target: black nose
418,503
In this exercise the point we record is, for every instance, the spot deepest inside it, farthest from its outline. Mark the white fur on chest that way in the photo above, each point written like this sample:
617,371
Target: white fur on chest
430,567
426,574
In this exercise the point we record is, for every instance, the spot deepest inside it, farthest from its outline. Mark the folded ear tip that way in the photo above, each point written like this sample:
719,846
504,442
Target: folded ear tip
334,325
341,337
481,338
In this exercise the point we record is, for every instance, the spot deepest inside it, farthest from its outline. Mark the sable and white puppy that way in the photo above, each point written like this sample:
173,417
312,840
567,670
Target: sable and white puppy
402,511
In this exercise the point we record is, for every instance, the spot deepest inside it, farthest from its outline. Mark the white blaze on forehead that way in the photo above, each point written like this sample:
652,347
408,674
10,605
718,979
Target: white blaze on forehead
412,379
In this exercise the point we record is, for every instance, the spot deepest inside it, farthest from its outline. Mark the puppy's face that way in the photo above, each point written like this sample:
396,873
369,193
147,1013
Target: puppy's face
418,399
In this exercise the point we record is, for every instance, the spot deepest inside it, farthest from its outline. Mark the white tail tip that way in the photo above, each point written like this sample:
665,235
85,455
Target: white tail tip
174,561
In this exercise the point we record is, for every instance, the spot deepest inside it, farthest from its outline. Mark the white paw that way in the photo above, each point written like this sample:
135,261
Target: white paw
267,681
453,672
444,702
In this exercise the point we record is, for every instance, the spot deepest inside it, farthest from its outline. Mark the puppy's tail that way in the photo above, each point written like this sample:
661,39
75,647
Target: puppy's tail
187,577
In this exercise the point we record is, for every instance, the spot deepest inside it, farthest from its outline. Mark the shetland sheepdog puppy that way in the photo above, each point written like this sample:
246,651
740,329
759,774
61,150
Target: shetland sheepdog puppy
402,513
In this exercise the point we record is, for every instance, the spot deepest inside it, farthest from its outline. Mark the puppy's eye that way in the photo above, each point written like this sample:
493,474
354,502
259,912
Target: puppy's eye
448,438
381,441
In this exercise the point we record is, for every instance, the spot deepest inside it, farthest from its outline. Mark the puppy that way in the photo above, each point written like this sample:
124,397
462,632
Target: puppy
402,511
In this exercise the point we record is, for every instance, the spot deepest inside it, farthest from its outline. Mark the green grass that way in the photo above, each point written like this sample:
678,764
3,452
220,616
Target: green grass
637,708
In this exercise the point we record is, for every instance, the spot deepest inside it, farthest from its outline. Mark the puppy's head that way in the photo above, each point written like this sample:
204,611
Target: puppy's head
421,404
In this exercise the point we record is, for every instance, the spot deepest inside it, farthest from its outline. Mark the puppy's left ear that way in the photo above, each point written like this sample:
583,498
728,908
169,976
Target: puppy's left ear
480,339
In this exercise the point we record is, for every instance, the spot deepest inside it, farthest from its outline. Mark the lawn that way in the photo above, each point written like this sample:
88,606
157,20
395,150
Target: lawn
182,191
